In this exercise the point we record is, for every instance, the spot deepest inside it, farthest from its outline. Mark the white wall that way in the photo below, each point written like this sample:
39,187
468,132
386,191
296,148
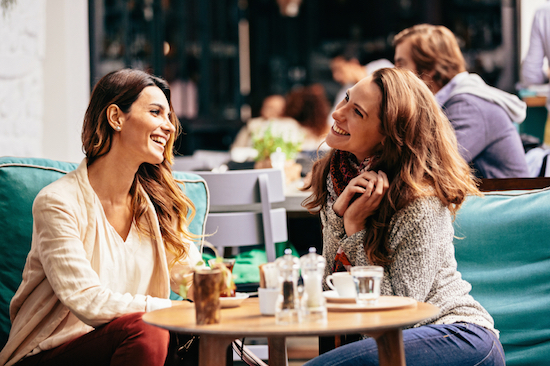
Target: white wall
66,78
44,78
22,29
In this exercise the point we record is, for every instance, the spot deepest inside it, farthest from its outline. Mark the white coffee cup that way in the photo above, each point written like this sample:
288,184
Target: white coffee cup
342,283
268,299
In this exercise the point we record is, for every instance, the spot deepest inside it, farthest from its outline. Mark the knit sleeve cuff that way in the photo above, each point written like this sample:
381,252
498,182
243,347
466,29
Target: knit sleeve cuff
335,222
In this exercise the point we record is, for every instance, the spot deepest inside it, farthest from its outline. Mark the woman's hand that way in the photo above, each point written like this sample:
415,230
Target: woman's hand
363,183
371,188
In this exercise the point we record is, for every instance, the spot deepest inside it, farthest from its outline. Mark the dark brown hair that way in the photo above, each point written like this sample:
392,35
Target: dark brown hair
174,210
310,107
419,155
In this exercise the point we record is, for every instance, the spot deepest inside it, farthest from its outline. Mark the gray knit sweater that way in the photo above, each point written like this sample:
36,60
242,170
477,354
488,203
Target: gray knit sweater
424,265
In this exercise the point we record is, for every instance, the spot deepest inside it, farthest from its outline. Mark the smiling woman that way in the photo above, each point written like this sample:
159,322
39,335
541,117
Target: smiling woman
357,122
108,238
143,131
386,193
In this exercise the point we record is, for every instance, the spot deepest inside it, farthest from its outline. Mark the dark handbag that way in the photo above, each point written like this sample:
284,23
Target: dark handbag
183,350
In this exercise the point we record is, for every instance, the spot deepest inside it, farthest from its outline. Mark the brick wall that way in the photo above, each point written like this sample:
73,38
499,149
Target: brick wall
22,44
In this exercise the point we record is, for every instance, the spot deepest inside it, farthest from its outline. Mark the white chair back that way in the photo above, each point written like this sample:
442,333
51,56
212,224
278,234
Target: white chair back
241,212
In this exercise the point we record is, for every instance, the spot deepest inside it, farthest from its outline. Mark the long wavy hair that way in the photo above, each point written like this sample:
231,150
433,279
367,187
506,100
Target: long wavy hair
419,154
433,48
174,210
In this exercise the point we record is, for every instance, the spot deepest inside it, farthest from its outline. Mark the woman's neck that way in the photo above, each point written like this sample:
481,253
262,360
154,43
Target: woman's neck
111,179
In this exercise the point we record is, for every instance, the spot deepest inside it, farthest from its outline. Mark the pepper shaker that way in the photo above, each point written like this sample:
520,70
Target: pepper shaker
287,309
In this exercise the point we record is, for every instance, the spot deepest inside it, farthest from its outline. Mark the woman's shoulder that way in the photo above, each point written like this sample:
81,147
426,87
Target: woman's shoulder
420,209
65,190
425,217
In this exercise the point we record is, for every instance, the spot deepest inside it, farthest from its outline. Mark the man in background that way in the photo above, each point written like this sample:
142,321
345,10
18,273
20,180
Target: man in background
481,115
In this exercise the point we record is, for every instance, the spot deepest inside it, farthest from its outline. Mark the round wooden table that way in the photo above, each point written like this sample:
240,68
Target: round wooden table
246,321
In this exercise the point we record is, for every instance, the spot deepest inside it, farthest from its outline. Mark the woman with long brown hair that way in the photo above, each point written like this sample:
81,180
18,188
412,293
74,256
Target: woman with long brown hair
107,237
387,192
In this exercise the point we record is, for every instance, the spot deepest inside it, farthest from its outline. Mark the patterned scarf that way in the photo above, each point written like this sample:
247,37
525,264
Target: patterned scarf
343,168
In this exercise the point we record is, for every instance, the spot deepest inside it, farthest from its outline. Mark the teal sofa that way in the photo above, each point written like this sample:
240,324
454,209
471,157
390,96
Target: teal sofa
502,244
20,181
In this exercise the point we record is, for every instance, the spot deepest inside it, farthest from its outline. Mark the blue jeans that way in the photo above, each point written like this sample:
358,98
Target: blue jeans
459,344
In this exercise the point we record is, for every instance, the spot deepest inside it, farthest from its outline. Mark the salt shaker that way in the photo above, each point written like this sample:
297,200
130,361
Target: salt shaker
287,308
313,306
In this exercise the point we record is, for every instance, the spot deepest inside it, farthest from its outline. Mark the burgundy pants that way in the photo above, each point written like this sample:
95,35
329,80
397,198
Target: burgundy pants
127,340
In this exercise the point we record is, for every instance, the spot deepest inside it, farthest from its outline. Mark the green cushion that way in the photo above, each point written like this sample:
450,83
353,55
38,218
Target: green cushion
503,249
245,270
20,181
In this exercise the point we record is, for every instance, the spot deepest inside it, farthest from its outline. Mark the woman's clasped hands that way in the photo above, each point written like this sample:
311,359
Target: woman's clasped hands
360,199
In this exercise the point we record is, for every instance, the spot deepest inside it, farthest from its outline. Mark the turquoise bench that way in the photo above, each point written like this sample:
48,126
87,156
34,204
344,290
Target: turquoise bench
502,243
20,181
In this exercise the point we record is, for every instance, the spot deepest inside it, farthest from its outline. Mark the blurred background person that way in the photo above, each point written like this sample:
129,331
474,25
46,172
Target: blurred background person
533,70
310,107
481,115
273,109
347,69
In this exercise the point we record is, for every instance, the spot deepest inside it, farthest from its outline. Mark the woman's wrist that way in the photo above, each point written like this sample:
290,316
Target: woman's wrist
352,228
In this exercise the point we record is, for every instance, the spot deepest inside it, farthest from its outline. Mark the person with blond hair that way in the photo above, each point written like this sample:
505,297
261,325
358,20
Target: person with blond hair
109,239
482,116
387,193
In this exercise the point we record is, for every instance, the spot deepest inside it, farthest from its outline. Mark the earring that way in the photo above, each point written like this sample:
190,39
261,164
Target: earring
118,128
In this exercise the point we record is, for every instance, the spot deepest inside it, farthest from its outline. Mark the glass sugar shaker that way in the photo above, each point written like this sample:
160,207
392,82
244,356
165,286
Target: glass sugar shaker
287,308
313,306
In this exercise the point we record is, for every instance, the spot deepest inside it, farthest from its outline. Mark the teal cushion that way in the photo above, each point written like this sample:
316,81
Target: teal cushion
194,187
503,249
20,181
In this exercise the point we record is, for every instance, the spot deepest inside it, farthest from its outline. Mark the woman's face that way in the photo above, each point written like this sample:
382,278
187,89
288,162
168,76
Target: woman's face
146,128
356,126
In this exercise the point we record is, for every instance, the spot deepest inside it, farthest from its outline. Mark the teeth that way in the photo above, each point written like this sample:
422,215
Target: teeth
339,130
158,139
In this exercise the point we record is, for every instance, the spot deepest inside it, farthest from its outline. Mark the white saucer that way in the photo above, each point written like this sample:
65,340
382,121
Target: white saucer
384,303
233,302
332,296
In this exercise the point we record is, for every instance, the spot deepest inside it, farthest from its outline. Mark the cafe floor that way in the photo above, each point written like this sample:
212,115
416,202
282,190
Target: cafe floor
299,349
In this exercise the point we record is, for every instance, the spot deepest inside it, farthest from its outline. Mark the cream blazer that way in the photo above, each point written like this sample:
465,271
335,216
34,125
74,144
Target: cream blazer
58,277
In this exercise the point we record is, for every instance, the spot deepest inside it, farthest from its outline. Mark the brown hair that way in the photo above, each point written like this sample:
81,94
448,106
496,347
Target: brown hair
433,48
310,107
174,210
419,155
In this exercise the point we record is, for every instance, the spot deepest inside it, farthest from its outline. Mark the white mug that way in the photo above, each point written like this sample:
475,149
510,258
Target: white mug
342,283
268,299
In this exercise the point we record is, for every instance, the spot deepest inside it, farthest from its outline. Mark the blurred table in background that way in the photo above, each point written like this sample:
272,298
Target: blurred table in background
536,120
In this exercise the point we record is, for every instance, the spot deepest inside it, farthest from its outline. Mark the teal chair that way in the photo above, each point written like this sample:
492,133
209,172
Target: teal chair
20,181
502,243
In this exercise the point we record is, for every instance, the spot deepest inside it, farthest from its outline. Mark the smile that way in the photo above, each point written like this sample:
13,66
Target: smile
339,131
159,140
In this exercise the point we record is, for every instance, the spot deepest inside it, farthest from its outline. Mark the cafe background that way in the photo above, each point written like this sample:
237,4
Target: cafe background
222,57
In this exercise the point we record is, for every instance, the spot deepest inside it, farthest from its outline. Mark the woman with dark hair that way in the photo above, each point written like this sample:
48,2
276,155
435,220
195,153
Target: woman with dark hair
310,107
107,238
387,192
